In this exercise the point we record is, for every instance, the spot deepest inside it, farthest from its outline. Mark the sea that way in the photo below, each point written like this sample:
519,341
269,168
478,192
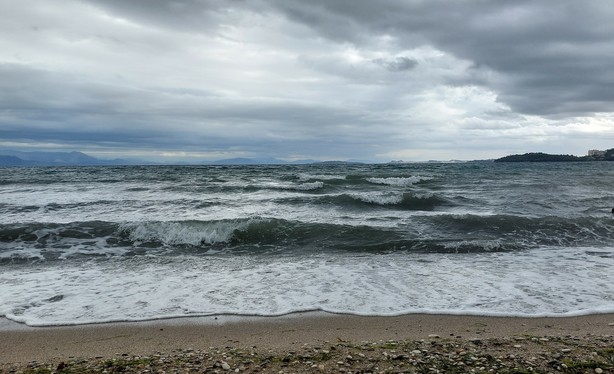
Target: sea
83,245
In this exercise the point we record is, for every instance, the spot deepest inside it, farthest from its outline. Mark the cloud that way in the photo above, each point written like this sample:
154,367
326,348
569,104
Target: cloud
553,58
319,79
75,111
397,64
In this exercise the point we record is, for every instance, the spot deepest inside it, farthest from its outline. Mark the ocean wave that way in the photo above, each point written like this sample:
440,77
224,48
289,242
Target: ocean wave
398,181
440,233
370,200
193,233
406,201
310,186
279,186
309,177
529,231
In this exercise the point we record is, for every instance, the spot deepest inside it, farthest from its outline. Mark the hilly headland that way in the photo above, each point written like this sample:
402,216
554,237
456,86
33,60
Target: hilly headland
593,155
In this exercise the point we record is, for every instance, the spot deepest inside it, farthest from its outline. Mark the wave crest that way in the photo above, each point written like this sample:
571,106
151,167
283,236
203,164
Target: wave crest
398,181
406,201
193,233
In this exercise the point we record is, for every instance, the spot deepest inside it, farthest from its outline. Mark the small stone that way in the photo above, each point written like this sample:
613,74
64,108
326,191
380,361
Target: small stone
225,365
566,350
434,336
598,370
517,346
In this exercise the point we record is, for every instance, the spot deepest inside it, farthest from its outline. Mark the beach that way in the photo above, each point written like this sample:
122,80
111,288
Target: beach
315,342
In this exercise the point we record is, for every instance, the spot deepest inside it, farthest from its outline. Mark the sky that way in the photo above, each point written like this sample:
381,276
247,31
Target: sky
321,79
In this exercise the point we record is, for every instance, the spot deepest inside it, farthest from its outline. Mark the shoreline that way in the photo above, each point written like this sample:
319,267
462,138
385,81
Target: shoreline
7,324
20,344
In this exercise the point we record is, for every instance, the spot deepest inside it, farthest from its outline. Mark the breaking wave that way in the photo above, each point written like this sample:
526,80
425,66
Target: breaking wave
397,181
444,233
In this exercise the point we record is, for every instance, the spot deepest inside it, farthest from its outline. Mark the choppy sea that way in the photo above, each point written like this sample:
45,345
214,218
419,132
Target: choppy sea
99,244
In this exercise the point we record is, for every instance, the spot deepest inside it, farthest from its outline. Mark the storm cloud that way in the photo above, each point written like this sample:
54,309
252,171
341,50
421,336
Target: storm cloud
319,79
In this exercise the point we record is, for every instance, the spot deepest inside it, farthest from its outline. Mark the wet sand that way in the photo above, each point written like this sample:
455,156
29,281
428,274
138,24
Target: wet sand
23,344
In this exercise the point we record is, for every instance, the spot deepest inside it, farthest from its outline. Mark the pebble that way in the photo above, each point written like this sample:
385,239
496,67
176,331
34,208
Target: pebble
539,354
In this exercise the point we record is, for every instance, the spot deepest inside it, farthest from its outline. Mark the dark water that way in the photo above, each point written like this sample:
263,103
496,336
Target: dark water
343,238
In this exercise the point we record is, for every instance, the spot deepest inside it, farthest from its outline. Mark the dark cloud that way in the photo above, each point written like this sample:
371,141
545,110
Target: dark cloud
39,105
187,15
396,64
554,57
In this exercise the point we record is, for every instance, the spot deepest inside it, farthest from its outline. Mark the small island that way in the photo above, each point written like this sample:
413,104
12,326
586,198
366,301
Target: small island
593,155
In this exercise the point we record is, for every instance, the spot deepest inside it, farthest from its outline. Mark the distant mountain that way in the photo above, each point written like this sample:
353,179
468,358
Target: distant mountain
54,158
14,161
19,158
303,162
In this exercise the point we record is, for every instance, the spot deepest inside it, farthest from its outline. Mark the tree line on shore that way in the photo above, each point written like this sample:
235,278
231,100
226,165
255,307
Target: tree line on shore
545,157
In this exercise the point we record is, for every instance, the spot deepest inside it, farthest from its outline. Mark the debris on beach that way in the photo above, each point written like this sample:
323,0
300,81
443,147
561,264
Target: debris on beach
525,354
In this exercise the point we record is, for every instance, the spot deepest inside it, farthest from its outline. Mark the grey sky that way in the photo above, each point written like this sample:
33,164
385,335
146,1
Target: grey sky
396,79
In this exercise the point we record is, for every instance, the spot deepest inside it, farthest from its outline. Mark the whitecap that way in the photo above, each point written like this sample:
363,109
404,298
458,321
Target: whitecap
398,181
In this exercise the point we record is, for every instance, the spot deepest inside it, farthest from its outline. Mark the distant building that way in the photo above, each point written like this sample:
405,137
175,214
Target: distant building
596,153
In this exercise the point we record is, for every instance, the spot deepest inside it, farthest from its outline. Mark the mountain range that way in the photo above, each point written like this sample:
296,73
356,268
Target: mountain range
20,158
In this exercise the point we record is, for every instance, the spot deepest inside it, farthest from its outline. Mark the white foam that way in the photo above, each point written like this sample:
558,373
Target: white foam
188,232
398,181
380,198
542,282
309,186
307,176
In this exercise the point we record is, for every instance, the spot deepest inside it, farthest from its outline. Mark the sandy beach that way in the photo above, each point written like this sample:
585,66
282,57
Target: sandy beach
21,345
